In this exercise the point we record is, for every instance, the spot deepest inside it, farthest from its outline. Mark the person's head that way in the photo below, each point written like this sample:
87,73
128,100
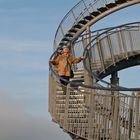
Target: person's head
66,51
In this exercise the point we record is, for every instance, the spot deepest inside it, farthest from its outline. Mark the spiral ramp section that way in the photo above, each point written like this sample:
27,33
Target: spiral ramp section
95,109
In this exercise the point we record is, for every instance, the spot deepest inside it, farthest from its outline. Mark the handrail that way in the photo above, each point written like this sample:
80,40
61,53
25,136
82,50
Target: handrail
85,7
75,16
93,74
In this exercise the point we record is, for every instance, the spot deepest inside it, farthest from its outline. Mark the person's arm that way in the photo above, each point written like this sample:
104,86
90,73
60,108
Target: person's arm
77,60
54,62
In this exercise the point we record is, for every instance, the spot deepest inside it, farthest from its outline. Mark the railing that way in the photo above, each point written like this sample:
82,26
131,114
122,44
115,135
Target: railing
97,114
78,12
105,52
112,47
93,111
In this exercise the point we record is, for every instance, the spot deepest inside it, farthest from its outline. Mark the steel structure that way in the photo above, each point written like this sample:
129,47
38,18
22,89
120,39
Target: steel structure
95,109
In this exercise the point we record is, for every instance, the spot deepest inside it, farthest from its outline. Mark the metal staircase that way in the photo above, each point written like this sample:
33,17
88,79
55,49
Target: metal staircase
92,108
83,15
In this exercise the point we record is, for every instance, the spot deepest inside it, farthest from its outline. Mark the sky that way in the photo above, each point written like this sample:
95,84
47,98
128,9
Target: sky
27,30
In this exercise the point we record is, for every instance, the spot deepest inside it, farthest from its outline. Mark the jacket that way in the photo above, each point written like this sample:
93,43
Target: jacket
64,64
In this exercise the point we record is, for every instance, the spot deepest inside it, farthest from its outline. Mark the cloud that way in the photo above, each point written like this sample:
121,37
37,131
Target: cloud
16,124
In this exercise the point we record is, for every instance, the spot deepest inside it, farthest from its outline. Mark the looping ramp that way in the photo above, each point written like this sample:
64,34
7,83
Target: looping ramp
92,108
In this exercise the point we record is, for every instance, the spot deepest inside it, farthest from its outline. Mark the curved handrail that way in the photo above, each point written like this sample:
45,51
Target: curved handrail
88,47
76,19
85,7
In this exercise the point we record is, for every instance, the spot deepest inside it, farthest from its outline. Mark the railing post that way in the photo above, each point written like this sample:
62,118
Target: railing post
88,80
91,115
66,107
90,98
100,50
110,48
114,81
114,78
53,98
131,105
50,93
73,53
137,117
115,108
115,129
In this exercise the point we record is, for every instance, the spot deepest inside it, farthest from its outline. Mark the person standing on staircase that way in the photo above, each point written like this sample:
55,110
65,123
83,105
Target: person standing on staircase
64,63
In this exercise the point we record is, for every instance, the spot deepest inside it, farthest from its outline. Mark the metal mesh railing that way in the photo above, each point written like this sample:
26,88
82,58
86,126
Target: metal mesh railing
113,50
97,114
78,12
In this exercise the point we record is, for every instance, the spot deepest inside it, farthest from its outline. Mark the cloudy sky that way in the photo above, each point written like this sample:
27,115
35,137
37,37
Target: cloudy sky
27,29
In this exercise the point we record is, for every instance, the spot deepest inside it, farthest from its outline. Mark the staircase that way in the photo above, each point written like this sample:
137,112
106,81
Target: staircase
92,108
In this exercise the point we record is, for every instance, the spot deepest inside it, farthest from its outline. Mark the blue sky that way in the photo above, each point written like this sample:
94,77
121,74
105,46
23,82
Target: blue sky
27,30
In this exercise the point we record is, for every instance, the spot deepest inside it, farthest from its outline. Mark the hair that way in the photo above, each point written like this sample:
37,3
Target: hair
66,50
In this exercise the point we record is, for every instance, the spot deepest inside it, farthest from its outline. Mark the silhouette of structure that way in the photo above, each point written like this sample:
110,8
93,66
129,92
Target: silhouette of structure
94,109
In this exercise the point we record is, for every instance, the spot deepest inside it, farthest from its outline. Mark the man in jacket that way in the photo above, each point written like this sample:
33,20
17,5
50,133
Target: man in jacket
64,63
